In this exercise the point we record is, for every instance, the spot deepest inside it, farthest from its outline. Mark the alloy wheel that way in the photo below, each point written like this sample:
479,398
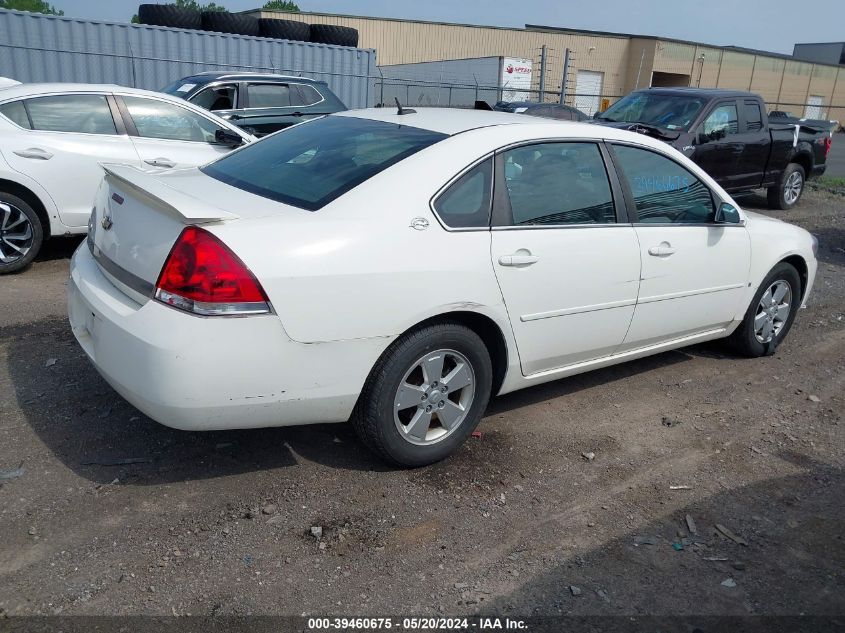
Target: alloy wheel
792,187
434,397
16,233
773,311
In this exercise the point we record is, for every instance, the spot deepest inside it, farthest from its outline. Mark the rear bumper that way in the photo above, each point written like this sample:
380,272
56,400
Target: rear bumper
198,373
817,171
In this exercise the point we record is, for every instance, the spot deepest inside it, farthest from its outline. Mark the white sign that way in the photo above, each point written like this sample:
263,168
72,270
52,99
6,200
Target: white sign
516,79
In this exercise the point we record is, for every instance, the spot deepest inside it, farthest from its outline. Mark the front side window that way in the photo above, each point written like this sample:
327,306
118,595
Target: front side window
217,98
663,191
557,184
83,114
269,95
303,95
466,203
311,164
16,113
721,122
162,120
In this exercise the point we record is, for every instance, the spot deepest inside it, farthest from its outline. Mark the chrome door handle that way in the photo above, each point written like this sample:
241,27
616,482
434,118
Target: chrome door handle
34,152
662,250
518,260
160,162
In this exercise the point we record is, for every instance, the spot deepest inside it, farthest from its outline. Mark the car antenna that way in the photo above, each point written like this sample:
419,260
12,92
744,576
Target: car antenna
400,110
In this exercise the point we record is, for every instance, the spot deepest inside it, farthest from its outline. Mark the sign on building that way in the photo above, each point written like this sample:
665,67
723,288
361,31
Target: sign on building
516,79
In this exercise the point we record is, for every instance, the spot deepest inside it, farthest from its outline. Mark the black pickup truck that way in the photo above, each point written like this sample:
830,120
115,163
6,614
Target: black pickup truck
729,134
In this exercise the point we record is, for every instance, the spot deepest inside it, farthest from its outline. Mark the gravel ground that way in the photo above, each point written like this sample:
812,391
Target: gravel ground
115,514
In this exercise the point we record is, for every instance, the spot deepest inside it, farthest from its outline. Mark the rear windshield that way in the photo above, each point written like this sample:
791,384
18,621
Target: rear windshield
311,164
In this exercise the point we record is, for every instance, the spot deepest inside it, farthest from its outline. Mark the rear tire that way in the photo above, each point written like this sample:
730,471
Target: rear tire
333,34
169,15
225,22
398,412
284,29
20,228
786,193
748,339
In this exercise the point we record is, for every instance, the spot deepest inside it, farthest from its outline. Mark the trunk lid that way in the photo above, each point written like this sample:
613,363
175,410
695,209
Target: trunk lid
136,219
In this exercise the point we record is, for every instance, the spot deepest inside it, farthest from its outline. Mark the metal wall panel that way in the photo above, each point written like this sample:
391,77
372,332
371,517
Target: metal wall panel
455,82
40,48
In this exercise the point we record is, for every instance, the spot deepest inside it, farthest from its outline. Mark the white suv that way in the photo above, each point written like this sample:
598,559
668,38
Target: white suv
53,138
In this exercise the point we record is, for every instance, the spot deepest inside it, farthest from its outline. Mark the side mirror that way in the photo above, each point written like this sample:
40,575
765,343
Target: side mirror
727,214
228,137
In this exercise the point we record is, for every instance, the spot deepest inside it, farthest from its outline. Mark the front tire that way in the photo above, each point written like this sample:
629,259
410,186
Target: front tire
21,234
770,315
787,191
425,395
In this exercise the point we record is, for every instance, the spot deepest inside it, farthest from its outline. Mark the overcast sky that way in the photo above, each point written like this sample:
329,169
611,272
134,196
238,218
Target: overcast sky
773,25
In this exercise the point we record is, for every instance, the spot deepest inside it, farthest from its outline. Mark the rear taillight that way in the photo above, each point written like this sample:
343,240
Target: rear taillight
202,276
827,143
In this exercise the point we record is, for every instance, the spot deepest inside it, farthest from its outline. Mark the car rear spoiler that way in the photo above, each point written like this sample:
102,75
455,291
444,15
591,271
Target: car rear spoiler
180,205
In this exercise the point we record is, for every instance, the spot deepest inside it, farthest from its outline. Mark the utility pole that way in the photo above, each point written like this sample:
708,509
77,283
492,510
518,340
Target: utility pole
543,54
565,76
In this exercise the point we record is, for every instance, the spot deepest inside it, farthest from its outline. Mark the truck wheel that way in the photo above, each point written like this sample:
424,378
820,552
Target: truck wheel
21,234
786,193
770,314
425,395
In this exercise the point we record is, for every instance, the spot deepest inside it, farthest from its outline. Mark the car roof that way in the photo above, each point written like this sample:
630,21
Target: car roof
454,121
700,92
216,75
33,90
443,120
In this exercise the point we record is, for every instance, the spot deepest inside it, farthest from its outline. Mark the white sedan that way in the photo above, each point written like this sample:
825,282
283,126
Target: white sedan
53,138
397,270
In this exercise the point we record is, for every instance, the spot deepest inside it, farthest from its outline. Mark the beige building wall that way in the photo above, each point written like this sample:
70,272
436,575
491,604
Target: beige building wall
626,62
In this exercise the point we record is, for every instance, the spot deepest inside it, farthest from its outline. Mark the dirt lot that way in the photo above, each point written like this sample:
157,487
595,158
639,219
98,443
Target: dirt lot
116,514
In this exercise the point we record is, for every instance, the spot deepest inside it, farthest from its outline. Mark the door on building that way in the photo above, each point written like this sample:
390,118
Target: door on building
813,109
588,86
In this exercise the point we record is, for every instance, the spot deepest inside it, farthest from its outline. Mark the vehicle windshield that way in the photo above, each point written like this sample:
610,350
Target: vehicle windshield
179,88
670,112
311,164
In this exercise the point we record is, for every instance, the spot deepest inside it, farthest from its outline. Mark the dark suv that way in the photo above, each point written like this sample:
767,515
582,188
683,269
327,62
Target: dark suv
258,103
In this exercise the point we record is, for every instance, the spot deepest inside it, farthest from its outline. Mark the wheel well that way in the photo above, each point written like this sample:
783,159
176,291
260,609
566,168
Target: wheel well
805,161
797,262
489,332
32,200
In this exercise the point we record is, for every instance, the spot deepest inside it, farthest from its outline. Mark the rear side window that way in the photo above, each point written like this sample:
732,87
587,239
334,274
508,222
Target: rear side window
83,114
558,184
753,116
269,95
302,95
664,192
466,203
16,113
311,164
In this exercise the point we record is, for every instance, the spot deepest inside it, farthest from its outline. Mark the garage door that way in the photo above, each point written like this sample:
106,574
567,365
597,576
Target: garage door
813,110
588,90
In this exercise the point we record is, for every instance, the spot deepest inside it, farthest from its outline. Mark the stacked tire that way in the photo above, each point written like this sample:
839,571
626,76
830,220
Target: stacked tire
333,34
284,29
225,22
169,15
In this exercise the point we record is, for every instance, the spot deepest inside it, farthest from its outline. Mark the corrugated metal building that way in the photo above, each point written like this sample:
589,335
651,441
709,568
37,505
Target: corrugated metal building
616,62
40,48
